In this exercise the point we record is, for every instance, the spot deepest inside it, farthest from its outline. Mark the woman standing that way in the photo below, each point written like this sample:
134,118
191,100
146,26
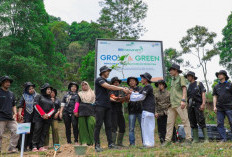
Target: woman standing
67,112
26,112
56,118
85,112
43,117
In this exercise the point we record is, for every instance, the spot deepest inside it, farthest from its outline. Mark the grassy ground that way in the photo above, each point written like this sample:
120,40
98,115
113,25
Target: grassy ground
212,149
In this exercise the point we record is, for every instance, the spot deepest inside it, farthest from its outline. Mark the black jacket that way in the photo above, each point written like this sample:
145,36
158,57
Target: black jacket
69,101
135,107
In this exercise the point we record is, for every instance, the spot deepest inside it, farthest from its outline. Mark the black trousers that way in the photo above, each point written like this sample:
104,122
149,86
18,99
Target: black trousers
71,119
118,121
162,126
196,116
103,114
40,131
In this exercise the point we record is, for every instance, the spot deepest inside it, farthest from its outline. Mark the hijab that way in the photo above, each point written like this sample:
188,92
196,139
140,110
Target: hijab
87,96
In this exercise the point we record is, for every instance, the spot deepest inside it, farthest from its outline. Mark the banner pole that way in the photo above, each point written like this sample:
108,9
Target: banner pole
22,144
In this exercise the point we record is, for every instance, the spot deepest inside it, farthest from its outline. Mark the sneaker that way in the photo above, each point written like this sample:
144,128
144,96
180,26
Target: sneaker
112,146
34,150
12,150
98,148
42,149
186,143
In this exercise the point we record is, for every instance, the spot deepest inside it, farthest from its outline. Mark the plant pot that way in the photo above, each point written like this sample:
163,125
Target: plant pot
80,150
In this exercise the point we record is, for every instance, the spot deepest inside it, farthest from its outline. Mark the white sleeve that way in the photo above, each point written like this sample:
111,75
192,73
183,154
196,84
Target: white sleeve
137,97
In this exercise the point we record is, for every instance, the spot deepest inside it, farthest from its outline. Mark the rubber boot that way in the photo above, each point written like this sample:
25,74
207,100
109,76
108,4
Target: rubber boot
114,135
120,139
195,135
205,133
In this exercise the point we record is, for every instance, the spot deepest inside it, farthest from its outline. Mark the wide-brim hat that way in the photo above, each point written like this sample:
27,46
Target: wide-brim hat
135,78
104,69
147,76
4,78
222,72
116,79
161,82
191,74
175,66
28,84
73,83
45,86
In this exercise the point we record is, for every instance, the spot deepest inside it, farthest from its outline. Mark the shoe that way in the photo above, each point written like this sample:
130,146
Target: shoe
12,150
166,143
42,149
186,143
34,150
112,146
195,136
205,133
98,148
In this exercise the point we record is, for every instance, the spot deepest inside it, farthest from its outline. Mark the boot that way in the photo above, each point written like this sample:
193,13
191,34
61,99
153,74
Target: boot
195,135
120,139
204,130
114,135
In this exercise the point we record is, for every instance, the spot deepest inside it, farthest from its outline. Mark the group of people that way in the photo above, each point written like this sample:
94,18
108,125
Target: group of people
85,111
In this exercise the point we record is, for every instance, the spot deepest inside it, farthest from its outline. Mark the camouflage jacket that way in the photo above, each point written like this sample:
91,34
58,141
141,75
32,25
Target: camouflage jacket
162,102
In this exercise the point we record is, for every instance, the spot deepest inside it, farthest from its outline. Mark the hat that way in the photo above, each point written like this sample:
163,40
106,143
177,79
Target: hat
175,66
73,83
44,87
159,82
4,78
192,74
115,79
135,78
222,72
147,76
28,84
104,69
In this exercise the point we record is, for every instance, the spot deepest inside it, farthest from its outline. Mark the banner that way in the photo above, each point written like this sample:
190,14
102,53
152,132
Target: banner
140,57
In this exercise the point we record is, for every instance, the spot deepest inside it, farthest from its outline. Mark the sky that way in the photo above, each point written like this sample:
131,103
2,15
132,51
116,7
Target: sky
167,20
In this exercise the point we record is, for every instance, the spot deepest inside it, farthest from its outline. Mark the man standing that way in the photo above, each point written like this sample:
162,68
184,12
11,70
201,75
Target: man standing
134,108
222,96
196,101
178,96
103,107
7,119
148,109
162,99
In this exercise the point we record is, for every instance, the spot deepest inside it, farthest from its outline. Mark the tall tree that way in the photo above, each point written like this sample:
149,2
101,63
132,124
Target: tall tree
225,47
27,45
123,17
171,56
199,43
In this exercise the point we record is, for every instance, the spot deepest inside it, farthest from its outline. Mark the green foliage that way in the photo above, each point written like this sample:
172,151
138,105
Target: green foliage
171,55
87,67
225,46
123,18
121,65
199,42
27,46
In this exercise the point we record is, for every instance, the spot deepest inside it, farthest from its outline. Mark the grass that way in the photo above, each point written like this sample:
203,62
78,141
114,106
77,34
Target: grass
212,149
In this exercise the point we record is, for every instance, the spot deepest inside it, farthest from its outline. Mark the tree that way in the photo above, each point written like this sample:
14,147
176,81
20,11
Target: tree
27,47
225,46
123,18
171,56
199,42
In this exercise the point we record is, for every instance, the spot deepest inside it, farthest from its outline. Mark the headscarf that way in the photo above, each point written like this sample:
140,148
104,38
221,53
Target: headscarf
29,100
87,96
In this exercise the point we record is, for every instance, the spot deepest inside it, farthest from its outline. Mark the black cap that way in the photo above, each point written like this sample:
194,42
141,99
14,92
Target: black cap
4,78
161,82
191,74
135,78
116,79
28,84
73,83
104,69
44,87
222,72
175,66
147,76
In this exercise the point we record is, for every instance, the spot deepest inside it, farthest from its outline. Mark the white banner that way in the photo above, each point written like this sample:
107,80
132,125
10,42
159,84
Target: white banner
142,56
